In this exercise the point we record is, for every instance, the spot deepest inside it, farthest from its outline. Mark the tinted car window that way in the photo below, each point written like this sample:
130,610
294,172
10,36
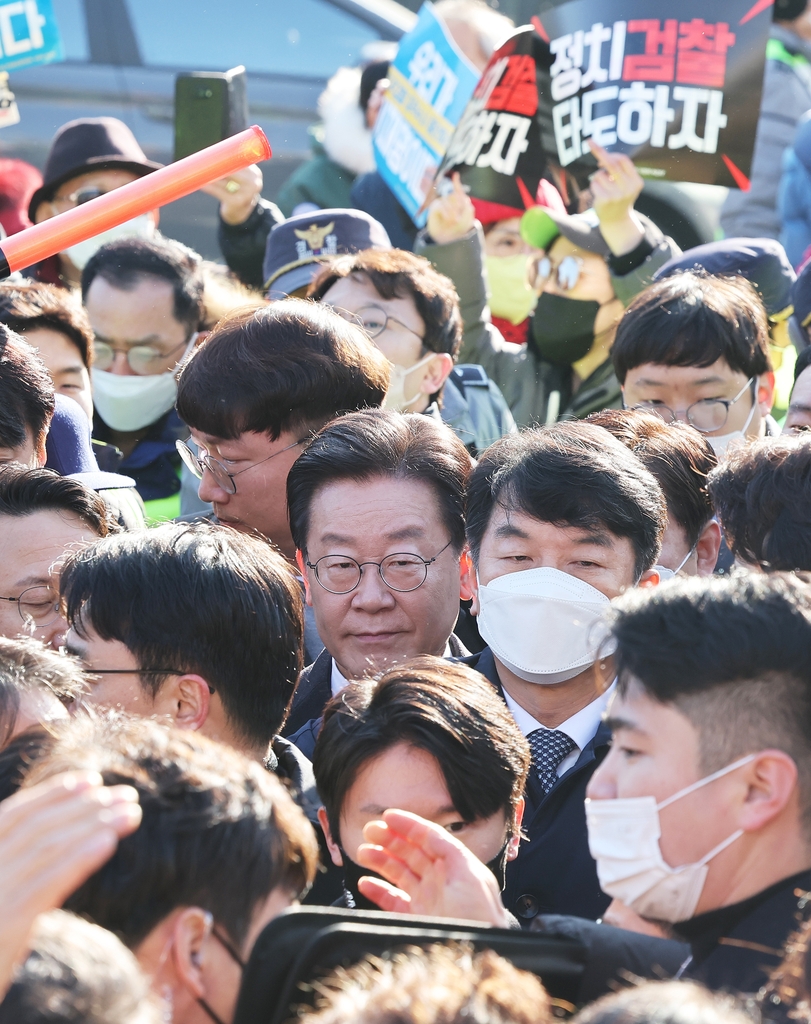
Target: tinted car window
297,37
72,28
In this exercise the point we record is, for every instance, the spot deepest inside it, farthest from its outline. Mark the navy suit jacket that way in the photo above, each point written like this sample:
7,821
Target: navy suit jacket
554,872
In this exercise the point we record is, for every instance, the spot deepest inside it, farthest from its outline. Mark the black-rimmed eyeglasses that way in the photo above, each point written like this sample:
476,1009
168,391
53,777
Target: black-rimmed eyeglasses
706,415
403,571
196,464
138,672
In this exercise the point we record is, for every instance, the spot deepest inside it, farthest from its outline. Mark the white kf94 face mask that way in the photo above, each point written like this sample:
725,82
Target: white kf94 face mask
624,840
544,625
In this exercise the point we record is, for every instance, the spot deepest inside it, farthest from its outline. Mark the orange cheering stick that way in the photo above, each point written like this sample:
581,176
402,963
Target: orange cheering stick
122,204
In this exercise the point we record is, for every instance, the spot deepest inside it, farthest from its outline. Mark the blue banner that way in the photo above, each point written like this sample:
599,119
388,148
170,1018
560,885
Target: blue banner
431,83
29,34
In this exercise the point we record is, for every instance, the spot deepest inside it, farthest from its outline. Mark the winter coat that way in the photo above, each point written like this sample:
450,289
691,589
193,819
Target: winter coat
794,197
786,97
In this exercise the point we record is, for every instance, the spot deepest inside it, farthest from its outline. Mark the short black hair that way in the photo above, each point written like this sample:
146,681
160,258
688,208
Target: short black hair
125,263
446,709
198,598
397,274
378,442
676,454
570,474
31,305
731,653
218,831
27,399
293,365
26,665
694,319
762,494
24,492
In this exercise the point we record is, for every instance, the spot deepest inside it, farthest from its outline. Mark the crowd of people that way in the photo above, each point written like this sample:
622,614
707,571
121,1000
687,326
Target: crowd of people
455,575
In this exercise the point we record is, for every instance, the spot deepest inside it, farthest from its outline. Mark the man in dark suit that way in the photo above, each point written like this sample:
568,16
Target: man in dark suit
376,505
560,520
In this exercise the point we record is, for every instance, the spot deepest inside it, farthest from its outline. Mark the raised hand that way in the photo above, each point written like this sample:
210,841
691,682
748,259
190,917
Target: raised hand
428,871
238,193
451,216
615,187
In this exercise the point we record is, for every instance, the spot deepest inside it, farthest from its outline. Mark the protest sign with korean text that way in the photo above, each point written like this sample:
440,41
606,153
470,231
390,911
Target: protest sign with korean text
675,85
29,34
431,83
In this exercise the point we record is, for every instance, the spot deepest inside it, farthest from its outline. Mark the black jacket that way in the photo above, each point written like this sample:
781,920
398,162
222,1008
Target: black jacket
554,872
736,947
314,690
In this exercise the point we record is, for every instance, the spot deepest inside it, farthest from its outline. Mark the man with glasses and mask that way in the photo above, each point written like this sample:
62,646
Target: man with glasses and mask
695,348
43,518
412,313
144,300
376,507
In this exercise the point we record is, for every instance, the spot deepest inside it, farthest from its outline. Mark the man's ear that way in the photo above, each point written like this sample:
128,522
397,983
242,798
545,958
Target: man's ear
186,699
765,392
515,840
467,575
191,929
302,568
649,579
473,582
772,784
437,372
707,548
332,846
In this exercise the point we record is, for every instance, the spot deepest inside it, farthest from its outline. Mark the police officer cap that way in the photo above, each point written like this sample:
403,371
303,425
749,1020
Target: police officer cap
762,261
298,246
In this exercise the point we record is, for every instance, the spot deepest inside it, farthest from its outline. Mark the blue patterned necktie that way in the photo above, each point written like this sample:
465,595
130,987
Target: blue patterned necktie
549,747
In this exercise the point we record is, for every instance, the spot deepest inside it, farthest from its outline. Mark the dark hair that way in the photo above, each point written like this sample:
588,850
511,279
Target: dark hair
732,654
375,443
446,709
570,474
218,830
77,972
198,598
19,754
803,362
24,492
694,319
676,454
666,1002
125,263
762,493
27,400
31,305
291,366
27,665
396,274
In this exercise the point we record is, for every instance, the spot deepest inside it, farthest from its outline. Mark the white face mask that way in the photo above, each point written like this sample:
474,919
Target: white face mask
668,574
720,444
395,397
544,625
132,402
139,227
624,840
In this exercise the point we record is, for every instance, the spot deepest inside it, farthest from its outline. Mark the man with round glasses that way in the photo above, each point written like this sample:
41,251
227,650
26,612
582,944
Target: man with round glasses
144,300
376,506
694,348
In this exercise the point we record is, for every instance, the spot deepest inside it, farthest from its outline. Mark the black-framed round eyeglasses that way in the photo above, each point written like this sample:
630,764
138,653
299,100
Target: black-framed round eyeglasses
197,464
706,415
403,571
37,605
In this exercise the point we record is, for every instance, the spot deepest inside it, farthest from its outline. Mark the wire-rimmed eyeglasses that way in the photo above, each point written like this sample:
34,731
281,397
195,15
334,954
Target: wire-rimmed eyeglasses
706,415
402,571
373,319
37,605
196,464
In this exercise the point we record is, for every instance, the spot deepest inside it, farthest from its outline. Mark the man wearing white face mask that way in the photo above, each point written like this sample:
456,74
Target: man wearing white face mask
698,817
560,521
88,157
412,313
144,300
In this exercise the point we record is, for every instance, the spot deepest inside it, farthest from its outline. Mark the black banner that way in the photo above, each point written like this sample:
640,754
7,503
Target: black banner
672,84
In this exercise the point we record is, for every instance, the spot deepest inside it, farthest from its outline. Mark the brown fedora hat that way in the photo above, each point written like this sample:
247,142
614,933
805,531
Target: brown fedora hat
91,143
